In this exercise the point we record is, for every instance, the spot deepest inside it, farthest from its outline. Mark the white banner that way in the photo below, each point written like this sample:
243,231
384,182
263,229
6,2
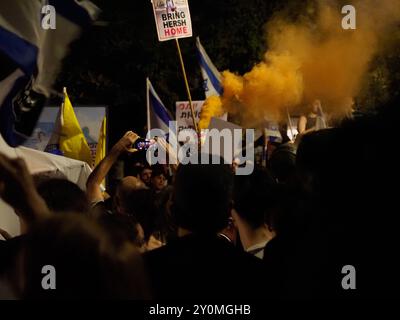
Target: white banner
184,114
172,19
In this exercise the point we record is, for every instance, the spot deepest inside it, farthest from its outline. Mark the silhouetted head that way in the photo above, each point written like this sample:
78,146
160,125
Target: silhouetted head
122,198
282,163
203,196
82,261
62,195
251,194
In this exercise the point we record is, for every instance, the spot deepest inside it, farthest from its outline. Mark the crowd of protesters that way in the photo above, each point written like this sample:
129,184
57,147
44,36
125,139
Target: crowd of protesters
201,232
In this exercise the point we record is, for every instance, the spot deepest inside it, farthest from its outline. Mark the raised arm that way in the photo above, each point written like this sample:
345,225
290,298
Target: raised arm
302,124
18,190
101,170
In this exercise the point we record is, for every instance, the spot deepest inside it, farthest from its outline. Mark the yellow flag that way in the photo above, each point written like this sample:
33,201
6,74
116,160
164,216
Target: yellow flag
72,140
101,144
101,147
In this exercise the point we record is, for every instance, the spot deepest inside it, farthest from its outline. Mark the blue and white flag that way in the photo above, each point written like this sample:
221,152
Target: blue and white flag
30,58
272,132
211,76
158,116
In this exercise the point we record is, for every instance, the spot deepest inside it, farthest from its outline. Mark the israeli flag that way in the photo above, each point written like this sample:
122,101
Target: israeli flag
272,132
158,116
211,76
30,58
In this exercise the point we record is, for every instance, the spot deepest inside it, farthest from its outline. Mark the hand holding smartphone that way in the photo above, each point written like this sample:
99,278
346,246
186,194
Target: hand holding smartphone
142,144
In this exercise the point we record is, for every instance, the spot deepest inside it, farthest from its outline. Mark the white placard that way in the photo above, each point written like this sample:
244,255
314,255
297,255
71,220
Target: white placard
172,19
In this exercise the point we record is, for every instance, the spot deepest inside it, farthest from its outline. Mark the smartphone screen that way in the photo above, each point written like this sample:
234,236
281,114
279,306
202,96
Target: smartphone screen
143,144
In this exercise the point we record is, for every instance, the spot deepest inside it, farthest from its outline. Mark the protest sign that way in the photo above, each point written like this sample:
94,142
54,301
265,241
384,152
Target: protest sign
172,19
184,117
229,146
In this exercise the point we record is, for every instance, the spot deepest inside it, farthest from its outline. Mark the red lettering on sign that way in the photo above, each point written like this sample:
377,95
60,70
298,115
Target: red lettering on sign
175,31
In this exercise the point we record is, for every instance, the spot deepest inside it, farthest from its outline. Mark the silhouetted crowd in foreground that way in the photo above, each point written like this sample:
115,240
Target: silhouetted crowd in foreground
200,232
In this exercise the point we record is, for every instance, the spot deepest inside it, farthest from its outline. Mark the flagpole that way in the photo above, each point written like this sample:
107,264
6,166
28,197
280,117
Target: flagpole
290,123
187,85
62,106
322,116
148,103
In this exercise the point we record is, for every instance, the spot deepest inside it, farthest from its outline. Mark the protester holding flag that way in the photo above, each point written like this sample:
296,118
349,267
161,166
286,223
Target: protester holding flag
315,120
315,222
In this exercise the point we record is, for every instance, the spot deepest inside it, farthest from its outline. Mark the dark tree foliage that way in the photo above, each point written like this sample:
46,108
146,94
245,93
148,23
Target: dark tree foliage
383,80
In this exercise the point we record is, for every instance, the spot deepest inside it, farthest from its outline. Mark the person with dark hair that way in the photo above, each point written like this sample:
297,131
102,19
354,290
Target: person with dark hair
145,175
308,123
198,263
161,193
123,229
282,163
63,196
214,184
251,193
133,165
158,179
87,263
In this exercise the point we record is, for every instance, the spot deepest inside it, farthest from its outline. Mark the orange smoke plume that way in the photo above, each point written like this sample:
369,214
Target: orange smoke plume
212,108
313,59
